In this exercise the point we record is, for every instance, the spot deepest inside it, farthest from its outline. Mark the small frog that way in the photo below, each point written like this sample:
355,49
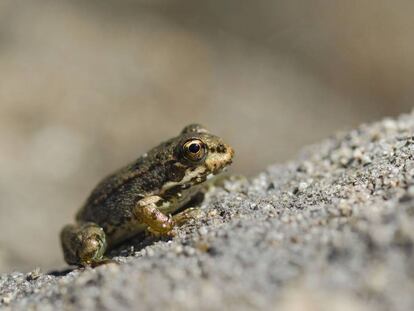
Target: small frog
144,194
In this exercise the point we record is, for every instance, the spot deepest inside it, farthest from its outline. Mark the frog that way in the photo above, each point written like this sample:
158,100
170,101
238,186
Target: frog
150,195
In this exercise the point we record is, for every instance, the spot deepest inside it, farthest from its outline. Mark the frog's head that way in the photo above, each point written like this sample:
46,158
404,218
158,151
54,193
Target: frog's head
202,153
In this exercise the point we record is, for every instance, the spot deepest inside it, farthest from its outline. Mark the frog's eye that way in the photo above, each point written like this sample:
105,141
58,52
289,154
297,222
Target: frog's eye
194,150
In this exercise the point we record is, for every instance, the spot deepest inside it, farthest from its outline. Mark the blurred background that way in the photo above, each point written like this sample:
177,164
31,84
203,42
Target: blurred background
87,86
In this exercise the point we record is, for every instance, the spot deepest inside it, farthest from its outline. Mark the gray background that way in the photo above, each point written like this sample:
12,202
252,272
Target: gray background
86,86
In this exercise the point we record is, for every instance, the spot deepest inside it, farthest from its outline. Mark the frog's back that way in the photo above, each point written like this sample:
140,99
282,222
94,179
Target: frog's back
110,203
111,199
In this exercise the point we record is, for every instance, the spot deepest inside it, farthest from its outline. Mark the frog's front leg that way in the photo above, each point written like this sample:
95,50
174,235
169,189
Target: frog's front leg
83,244
146,211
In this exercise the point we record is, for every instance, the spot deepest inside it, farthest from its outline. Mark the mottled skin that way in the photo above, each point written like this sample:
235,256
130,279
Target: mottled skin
144,195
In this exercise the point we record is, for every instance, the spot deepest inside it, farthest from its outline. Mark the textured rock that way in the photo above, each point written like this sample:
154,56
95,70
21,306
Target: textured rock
332,230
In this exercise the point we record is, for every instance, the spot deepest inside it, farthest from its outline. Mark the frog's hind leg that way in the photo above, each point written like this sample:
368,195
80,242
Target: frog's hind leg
83,244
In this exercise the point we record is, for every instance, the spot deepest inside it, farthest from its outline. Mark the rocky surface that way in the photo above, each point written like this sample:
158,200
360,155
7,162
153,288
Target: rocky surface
332,230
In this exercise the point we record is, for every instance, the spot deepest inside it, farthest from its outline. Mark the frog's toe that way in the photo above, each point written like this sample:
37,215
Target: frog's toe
188,214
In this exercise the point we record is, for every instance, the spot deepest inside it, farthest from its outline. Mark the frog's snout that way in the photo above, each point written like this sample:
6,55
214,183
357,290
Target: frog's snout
220,157
228,155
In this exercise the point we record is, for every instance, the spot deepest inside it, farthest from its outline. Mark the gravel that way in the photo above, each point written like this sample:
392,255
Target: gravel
331,230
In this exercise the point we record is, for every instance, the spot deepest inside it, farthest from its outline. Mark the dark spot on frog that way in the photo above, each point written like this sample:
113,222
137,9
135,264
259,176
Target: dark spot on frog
221,148
173,191
176,172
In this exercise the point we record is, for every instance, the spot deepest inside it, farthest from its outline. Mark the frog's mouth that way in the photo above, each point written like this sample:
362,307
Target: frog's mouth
192,176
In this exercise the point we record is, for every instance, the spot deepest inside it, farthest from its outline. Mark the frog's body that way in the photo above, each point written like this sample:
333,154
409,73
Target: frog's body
143,194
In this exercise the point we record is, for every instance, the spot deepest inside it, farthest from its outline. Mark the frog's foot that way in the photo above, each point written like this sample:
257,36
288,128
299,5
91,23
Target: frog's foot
146,211
186,215
83,244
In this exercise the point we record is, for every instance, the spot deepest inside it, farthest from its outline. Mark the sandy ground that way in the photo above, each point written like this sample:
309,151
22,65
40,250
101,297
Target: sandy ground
331,230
